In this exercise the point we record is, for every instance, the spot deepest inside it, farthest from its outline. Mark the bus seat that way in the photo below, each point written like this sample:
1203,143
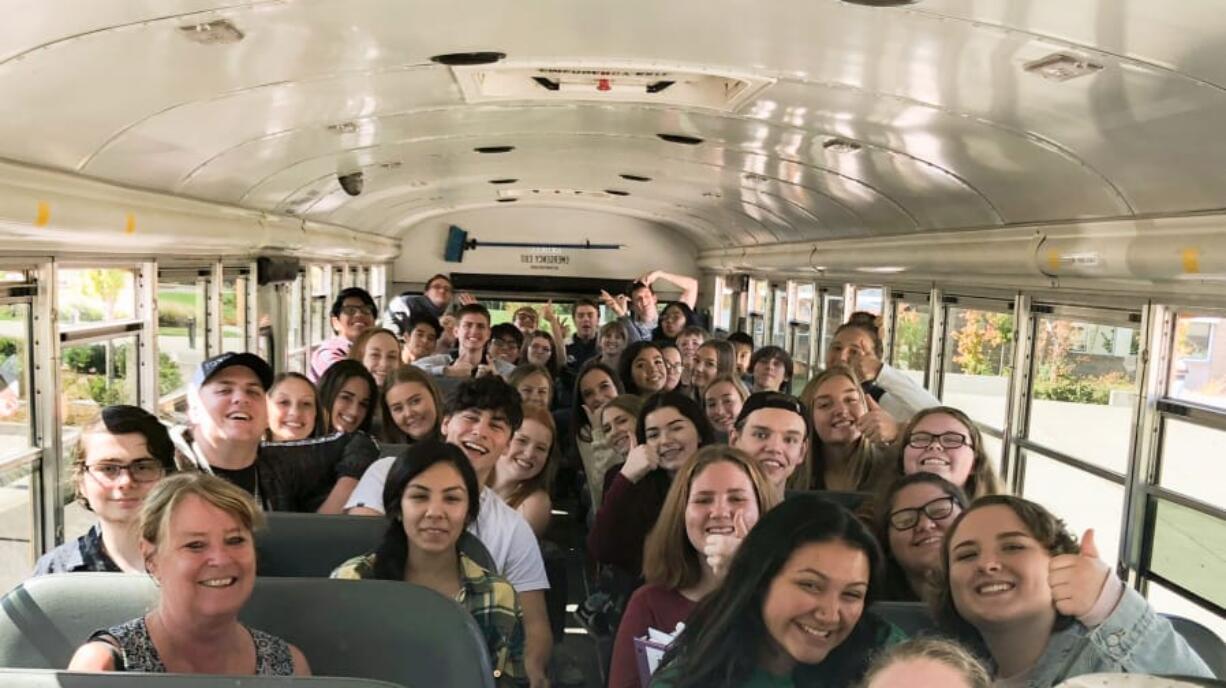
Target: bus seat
52,678
384,630
1205,642
850,500
912,617
312,545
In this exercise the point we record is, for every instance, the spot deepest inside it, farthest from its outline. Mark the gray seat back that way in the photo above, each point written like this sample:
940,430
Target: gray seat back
384,630
312,545
1205,642
50,678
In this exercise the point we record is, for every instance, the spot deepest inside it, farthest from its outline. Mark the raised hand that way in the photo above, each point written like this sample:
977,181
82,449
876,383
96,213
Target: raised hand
548,313
719,549
641,461
466,299
619,304
877,425
649,277
1077,579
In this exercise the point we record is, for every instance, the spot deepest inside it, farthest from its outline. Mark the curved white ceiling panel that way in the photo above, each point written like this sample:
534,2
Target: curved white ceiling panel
876,121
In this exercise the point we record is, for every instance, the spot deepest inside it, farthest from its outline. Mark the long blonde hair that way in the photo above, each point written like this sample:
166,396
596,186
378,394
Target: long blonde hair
861,460
669,559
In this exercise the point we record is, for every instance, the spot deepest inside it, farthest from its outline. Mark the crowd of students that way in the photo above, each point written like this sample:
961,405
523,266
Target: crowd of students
698,467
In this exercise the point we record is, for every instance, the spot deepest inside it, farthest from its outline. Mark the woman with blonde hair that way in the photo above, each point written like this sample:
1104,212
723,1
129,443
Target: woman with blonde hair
926,661
196,537
722,399
841,456
379,350
715,499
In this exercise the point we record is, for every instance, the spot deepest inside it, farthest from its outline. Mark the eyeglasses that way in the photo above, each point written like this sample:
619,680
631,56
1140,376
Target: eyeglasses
355,310
674,366
937,509
504,343
142,471
948,440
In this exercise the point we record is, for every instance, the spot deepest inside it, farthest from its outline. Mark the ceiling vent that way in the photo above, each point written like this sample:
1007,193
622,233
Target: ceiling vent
1062,67
635,178
469,59
637,83
837,145
217,32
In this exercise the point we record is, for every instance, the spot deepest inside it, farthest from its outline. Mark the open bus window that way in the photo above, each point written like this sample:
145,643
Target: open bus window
1085,376
909,348
15,428
93,375
92,295
1198,360
978,362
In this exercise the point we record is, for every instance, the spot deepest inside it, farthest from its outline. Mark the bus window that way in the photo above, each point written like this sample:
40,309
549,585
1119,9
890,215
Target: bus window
909,342
978,362
1198,360
1082,499
1084,377
1189,551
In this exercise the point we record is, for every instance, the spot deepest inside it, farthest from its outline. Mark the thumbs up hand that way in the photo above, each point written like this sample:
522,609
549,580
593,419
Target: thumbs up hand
1077,579
877,425
719,549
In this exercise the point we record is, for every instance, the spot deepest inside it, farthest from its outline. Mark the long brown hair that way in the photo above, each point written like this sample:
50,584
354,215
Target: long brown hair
358,351
982,479
544,479
1051,533
669,559
403,375
860,461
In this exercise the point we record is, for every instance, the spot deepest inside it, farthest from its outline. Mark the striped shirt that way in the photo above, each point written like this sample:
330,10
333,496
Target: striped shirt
490,599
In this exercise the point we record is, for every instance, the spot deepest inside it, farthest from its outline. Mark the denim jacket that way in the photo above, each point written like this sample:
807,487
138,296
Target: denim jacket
1133,639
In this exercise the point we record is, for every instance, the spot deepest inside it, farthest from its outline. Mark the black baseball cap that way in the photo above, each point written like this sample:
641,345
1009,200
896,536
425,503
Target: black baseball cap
779,400
211,366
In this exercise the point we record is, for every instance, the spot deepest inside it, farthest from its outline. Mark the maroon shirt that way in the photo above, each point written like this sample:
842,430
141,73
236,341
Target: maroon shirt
626,515
651,606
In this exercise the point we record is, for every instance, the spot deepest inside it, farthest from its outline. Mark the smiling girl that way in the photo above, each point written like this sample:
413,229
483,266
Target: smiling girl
841,457
670,430
791,609
430,497
1044,607
347,393
411,406
714,502
944,441
293,408
524,472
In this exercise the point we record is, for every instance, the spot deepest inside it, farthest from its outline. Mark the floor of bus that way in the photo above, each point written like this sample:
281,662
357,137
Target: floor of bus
576,661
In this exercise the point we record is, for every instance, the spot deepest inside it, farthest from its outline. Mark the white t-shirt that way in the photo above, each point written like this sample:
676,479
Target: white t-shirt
500,528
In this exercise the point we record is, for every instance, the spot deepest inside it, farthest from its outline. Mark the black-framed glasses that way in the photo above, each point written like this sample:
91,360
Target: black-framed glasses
355,310
142,471
948,440
937,509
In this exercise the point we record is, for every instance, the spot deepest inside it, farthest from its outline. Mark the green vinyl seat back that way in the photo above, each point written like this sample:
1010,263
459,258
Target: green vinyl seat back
312,545
384,630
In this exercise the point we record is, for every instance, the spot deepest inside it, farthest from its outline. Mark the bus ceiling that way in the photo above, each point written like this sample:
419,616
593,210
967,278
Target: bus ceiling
936,136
